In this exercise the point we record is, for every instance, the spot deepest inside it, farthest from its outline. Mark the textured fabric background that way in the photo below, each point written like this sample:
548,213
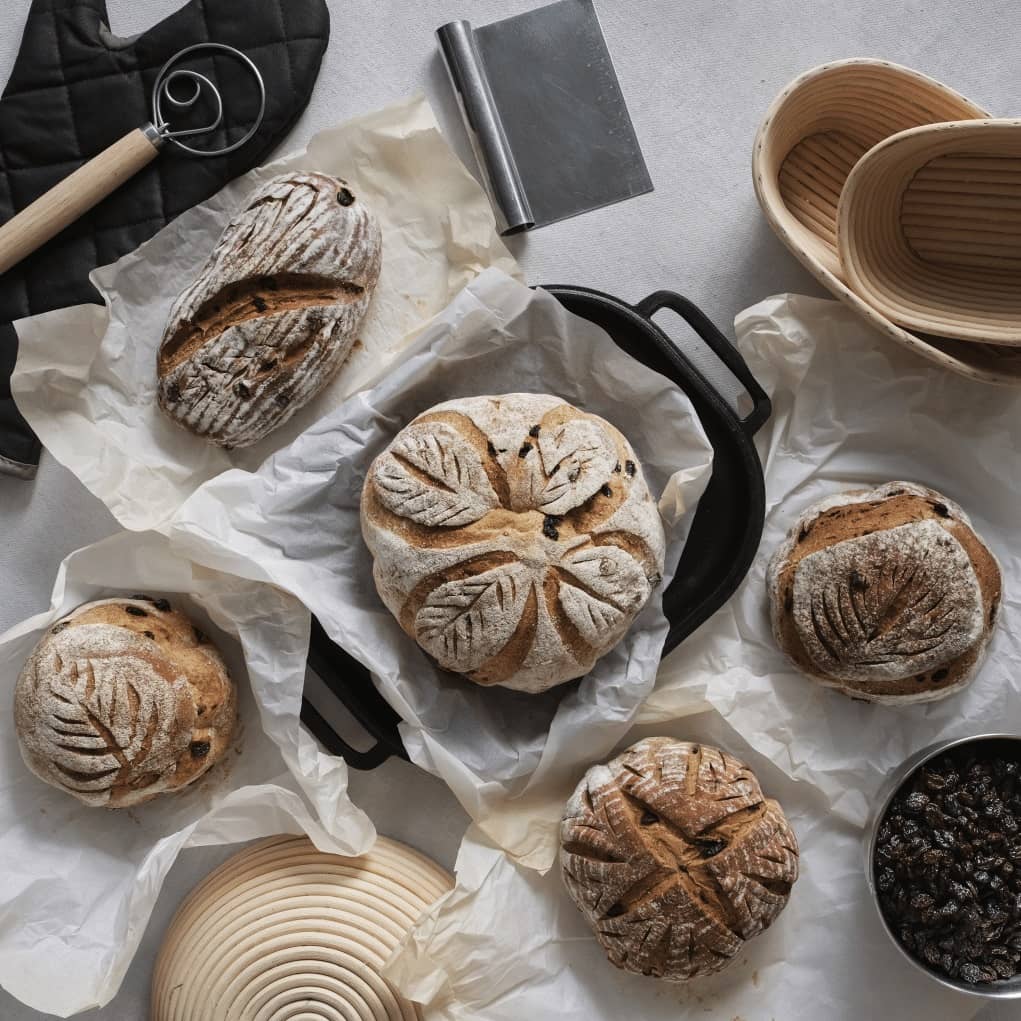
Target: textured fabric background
697,77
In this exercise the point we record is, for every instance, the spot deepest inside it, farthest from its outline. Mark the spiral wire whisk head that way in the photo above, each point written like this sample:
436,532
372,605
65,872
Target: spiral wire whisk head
163,95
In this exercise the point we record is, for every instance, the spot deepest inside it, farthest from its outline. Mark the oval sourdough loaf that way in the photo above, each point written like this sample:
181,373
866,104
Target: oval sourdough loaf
514,537
675,857
123,699
274,311
886,594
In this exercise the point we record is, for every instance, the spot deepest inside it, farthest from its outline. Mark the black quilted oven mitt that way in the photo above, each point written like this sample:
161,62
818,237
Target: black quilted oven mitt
76,89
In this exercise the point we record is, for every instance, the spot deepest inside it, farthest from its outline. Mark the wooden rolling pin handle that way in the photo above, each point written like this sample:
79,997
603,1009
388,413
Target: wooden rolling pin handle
76,194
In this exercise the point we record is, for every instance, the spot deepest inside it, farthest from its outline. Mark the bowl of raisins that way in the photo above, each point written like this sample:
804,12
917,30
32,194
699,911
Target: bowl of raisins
944,863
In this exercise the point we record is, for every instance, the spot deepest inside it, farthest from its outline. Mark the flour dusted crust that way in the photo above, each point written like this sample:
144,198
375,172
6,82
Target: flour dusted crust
514,537
886,594
273,313
675,858
121,700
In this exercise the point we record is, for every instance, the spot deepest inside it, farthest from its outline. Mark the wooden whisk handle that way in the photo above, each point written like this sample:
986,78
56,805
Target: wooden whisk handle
76,194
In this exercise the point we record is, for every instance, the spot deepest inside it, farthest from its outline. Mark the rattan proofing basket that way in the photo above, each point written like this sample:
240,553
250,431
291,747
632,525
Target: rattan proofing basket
929,229
815,131
282,930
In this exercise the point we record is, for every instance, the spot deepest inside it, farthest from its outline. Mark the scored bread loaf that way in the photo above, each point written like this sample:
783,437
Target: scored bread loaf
675,857
886,594
121,700
274,311
514,537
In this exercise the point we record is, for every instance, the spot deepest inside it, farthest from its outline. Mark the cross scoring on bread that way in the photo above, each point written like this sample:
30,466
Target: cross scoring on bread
672,877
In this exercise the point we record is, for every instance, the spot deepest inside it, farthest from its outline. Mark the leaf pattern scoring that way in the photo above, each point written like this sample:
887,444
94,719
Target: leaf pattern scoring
575,459
466,621
595,620
434,477
610,586
890,604
538,539
105,718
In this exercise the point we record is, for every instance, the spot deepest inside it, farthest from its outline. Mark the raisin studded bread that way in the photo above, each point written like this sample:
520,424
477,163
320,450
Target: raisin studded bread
273,313
121,700
514,537
676,858
886,594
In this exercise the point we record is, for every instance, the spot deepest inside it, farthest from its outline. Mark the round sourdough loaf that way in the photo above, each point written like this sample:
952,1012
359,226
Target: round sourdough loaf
514,537
121,700
274,311
676,858
886,594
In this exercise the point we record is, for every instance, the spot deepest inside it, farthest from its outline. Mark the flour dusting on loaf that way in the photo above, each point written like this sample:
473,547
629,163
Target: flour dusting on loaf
121,700
845,596
273,313
887,594
676,858
514,537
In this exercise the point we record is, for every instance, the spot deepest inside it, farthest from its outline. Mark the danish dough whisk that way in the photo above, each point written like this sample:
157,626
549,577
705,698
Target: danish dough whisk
176,90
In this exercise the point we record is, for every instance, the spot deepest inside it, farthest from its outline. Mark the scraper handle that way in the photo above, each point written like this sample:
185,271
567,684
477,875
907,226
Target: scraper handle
75,195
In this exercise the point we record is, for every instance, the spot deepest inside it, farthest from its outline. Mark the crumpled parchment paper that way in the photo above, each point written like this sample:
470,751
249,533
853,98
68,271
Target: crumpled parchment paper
853,410
77,884
508,943
295,523
86,375
849,409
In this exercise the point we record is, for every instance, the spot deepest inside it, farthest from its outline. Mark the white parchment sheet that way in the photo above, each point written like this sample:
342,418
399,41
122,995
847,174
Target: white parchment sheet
850,410
295,522
508,943
77,884
86,375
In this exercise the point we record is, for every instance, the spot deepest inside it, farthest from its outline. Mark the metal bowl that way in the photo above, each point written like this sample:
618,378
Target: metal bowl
1004,989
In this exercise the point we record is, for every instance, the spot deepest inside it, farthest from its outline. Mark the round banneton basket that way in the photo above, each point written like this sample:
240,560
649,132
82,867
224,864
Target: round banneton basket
929,229
813,134
283,931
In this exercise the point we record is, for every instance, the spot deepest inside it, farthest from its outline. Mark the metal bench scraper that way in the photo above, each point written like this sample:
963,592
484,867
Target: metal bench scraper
545,114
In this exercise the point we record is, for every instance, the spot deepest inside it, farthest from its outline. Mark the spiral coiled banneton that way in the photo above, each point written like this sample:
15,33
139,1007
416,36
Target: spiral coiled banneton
282,932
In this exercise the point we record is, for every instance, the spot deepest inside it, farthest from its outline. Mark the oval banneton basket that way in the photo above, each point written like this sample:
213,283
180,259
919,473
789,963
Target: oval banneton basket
725,531
815,131
282,928
929,229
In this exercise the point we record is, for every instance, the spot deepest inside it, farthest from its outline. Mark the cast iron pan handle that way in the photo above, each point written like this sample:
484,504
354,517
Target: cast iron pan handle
351,684
721,347
321,730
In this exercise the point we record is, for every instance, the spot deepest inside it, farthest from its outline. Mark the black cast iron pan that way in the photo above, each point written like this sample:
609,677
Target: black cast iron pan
724,535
